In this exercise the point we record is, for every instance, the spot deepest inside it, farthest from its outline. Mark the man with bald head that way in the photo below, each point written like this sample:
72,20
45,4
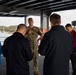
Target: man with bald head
17,51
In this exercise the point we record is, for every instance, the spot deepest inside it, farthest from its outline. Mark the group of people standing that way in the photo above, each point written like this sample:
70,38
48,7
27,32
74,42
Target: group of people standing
22,47
56,45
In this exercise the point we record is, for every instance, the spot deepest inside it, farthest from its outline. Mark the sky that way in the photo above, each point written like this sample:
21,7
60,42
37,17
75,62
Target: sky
66,17
7,21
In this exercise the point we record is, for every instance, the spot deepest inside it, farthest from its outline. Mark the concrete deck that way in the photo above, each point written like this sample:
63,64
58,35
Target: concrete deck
41,58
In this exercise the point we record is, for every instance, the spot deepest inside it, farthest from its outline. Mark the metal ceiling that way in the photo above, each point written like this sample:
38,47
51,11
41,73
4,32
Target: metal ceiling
34,7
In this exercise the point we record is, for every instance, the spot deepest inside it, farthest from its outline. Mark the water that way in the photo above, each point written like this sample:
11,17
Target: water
3,36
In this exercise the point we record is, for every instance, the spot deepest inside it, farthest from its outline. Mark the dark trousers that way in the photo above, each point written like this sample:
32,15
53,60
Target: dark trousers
73,61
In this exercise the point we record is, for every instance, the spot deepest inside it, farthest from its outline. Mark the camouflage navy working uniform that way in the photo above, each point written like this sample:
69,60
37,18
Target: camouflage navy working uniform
32,37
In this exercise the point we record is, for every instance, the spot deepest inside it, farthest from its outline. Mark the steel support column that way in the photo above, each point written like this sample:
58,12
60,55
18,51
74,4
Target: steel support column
25,20
41,20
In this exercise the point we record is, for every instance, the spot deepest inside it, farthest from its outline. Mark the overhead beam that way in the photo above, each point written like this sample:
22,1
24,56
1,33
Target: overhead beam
63,8
51,4
39,3
25,3
12,15
11,1
3,2
60,5
16,3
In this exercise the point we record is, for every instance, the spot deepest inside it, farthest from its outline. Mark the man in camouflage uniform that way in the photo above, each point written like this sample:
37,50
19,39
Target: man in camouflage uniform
32,34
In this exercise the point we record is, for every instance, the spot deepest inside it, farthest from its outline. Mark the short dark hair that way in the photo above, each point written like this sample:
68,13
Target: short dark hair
20,26
68,25
55,18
